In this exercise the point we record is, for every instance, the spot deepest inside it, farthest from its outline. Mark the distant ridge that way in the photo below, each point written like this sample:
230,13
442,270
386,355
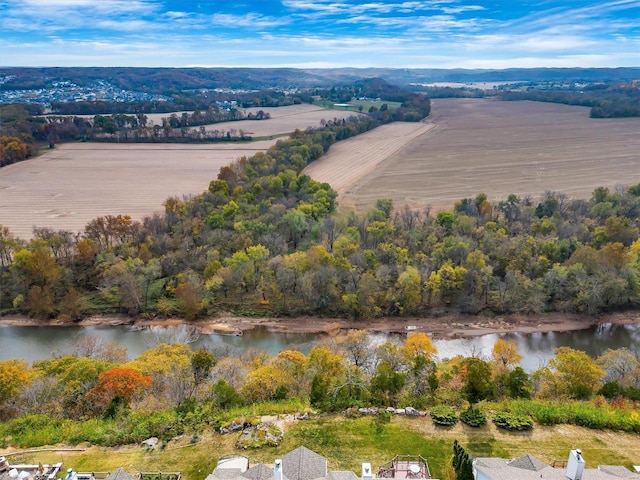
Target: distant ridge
165,80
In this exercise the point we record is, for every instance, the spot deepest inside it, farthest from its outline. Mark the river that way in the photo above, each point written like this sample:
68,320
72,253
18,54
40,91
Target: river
36,343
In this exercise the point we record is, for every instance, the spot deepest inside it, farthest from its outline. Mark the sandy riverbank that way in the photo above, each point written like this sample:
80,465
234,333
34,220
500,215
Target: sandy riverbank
449,326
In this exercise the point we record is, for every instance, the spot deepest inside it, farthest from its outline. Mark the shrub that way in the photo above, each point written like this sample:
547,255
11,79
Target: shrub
443,415
473,417
512,421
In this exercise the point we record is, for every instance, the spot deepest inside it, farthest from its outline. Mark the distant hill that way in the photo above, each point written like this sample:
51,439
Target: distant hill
171,80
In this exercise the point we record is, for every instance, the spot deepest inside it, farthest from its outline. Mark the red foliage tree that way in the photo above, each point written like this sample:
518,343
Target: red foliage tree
119,382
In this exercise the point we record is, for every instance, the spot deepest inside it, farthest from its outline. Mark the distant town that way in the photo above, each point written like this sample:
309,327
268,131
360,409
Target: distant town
66,91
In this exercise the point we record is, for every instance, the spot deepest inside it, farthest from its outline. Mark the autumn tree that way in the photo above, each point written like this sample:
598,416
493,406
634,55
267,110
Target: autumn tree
265,383
326,368
14,376
408,295
189,300
74,377
294,366
418,344
504,356
169,366
201,363
620,365
356,347
571,373
120,384
230,370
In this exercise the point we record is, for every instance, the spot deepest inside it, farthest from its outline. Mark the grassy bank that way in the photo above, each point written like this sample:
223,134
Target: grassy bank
349,442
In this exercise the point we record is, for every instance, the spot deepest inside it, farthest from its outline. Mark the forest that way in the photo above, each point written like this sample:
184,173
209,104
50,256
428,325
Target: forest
171,80
267,240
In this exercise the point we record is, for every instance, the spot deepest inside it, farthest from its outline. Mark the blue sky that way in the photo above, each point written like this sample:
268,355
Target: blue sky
321,33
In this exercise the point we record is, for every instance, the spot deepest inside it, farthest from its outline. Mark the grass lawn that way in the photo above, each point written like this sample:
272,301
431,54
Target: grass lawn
349,442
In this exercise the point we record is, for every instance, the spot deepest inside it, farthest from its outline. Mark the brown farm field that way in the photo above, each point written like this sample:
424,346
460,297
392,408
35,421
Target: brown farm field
283,120
489,146
67,187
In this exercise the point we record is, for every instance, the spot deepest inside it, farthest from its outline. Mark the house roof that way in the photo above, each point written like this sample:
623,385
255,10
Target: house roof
304,464
225,474
341,475
621,472
528,462
529,467
259,472
119,474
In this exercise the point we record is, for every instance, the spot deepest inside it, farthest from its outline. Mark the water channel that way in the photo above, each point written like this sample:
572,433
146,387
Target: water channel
36,343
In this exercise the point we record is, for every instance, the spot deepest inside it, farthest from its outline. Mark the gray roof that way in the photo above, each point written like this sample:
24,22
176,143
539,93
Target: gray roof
259,472
304,464
621,472
528,462
225,473
119,474
341,475
501,469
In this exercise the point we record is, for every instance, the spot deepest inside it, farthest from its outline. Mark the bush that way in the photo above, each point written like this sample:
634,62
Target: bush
473,417
512,421
444,416
584,414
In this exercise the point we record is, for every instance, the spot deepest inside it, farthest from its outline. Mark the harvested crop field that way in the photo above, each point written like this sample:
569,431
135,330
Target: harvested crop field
77,182
352,159
66,188
494,147
283,120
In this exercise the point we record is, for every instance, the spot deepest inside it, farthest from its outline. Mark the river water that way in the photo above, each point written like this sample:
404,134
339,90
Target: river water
36,343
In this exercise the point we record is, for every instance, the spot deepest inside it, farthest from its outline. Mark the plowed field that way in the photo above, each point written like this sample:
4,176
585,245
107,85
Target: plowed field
77,182
486,146
67,187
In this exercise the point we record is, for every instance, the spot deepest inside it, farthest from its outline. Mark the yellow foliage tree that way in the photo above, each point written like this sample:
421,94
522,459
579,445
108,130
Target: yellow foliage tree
14,375
167,365
446,280
571,373
418,344
294,366
264,383
504,356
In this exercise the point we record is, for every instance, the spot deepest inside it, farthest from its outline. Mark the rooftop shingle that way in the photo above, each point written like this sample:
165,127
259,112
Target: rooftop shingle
304,464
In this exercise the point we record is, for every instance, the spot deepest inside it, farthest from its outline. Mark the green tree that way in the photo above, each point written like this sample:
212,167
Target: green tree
386,384
477,380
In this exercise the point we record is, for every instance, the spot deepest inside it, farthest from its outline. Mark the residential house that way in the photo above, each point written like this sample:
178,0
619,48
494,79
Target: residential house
529,467
305,464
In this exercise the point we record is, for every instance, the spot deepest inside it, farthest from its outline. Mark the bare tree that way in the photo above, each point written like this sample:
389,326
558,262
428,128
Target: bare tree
173,334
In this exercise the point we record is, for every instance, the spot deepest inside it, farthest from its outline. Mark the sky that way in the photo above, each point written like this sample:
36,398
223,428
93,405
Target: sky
320,33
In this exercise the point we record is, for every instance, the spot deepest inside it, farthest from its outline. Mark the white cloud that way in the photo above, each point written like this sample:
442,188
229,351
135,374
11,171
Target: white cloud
249,20
420,33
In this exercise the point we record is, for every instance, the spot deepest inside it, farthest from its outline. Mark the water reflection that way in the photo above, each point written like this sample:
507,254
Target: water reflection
37,343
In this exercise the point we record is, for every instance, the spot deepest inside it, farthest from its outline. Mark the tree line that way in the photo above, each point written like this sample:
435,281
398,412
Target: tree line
24,127
191,388
606,100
